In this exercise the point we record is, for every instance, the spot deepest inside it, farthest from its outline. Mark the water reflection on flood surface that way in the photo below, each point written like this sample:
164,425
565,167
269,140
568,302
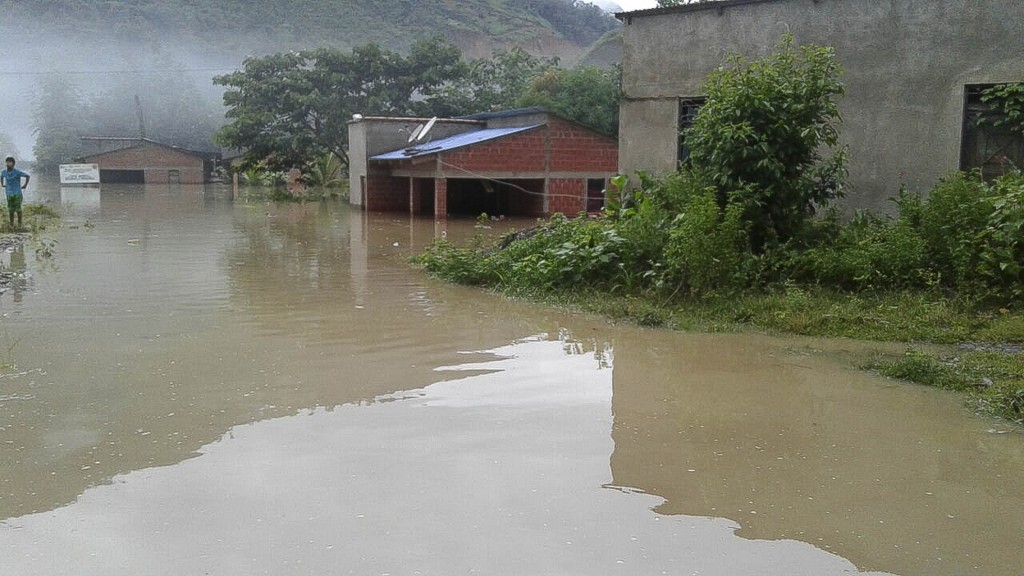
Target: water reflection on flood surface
200,385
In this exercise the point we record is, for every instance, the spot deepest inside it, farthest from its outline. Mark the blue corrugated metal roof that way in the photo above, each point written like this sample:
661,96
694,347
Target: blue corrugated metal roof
452,142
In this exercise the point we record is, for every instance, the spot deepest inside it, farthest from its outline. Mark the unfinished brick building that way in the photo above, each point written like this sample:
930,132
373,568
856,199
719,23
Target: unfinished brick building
144,161
515,163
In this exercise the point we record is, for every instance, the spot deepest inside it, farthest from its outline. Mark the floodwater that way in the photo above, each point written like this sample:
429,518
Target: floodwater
194,385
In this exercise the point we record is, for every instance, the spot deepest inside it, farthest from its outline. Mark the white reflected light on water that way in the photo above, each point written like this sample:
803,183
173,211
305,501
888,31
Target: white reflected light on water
499,472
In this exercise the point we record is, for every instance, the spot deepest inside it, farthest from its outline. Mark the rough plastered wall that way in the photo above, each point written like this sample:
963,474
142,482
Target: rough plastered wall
906,66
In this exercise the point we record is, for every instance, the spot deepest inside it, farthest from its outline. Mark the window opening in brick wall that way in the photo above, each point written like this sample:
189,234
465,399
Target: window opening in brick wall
595,194
472,197
122,176
688,109
995,149
174,176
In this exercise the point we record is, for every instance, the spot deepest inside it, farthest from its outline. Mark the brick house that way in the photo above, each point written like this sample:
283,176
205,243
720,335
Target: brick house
144,161
515,163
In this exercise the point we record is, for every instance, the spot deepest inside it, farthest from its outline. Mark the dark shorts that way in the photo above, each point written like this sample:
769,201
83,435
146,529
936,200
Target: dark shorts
14,203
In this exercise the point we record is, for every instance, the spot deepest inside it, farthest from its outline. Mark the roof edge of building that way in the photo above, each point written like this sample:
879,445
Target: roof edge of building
719,5
204,154
459,120
505,113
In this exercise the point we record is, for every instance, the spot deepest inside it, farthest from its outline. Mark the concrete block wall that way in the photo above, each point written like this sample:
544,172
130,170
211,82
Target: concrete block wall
906,64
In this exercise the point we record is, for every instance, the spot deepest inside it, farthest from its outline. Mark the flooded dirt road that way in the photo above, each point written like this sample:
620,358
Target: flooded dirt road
194,385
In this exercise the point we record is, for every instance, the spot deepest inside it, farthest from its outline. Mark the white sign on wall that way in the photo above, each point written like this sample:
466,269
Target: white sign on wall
79,173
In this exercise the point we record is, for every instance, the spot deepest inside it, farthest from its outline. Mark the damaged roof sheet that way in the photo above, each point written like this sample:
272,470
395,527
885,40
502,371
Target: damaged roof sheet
452,142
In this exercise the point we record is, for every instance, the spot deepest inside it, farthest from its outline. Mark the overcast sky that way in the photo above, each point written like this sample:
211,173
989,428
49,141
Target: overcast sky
629,5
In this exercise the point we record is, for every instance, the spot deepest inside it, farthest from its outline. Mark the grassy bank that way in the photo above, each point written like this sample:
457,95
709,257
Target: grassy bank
952,343
35,219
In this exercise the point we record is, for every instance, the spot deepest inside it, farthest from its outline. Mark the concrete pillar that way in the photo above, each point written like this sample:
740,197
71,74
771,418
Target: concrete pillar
412,197
440,199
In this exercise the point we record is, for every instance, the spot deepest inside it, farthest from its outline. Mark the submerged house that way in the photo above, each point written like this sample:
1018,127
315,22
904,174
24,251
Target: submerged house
145,161
524,162
913,73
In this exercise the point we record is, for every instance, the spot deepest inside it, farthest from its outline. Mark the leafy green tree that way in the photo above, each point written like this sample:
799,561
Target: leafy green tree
588,95
57,122
760,136
494,83
287,109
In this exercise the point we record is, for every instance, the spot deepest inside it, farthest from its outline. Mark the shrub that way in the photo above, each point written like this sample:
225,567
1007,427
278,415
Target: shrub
760,135
454,264
1001,241
949,222
706,247
869,253
564,253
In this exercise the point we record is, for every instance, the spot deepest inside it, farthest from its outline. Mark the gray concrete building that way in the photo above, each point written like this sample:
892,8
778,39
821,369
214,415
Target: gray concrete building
912,69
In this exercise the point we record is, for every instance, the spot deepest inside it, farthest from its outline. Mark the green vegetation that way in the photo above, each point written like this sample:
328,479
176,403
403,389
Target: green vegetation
278,25
759,137
158,56
587,95
36,218
1007,105
992,377
735,239
292,109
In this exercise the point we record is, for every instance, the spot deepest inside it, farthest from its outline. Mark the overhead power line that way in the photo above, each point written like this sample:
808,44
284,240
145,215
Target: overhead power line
93,72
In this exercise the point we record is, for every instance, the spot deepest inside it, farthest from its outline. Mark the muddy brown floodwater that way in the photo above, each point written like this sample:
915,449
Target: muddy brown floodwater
194,385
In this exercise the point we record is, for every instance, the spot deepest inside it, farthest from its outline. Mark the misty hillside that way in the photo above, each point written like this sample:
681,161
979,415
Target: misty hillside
227,28
158,51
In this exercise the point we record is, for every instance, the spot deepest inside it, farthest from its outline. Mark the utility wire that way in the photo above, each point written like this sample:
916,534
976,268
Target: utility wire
507,183
149,71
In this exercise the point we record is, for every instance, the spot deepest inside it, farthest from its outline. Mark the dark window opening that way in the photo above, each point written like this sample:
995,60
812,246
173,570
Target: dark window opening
595,194
471,197
993,148
423,196
688,109
122,177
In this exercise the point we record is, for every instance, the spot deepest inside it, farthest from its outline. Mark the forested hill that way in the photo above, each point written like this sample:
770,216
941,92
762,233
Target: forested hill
227,28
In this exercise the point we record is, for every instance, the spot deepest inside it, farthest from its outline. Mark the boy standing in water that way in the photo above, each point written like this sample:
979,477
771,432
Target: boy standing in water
10,179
